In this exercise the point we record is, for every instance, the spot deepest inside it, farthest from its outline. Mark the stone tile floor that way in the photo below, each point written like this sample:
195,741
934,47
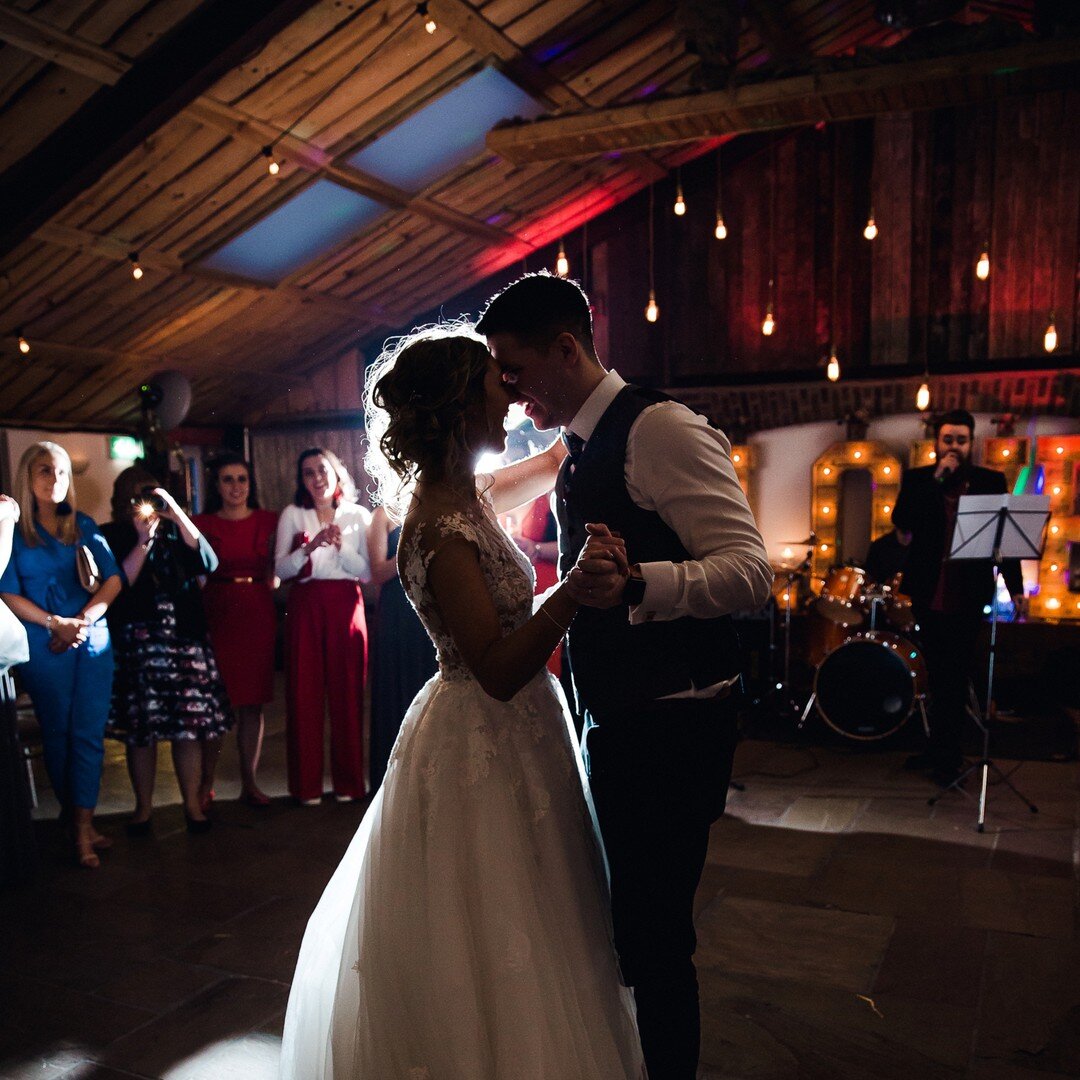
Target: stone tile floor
847,930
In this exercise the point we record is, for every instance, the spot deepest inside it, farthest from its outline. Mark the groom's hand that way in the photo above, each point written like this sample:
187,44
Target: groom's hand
599,576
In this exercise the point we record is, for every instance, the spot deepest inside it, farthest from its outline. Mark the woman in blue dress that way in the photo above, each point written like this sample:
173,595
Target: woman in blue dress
69,673
403,658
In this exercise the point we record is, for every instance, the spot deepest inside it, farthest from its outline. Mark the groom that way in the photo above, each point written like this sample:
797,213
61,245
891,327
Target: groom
654,657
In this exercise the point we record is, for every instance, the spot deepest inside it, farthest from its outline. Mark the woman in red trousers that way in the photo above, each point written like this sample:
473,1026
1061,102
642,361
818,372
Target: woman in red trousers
322,548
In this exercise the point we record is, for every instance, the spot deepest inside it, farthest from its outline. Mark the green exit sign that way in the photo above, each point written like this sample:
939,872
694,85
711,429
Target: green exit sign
126,448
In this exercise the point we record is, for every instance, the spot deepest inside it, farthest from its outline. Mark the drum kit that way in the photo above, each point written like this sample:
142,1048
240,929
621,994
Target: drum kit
868,674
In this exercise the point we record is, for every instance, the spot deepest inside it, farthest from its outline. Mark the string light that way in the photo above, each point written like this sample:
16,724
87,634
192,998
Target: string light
982,267
272,167
680,202
922,397
562,263
721,229
769,323
1050,337
871,226
832,370
429,22
24,345
136,269
652,309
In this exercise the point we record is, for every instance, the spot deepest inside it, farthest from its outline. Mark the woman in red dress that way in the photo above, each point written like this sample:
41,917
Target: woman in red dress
240,605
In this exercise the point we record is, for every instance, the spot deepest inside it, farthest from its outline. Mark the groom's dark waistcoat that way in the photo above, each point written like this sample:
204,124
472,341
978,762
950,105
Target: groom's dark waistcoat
616,665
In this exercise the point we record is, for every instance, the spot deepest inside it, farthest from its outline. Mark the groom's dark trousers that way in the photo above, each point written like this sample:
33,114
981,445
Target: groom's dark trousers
659,777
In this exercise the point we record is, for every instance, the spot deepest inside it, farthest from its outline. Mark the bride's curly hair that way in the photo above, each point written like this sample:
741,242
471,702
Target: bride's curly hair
417,395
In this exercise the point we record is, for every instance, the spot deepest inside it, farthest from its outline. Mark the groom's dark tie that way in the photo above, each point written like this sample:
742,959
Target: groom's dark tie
574,443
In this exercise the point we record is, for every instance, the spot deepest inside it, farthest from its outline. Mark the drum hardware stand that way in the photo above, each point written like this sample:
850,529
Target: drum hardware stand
995,517
787,704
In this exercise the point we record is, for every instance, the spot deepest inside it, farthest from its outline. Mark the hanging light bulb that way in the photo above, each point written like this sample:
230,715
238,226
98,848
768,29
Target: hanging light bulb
922,398
24,345
680,202
982,267
769,324
136,269
832,370
871,226
1050,337
721,228
272,167
429,23
652,309
562,263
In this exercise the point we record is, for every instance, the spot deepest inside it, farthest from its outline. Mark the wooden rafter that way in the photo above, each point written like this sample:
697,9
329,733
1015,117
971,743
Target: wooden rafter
767,19
116,250
188,60
38,37
805,99
486,39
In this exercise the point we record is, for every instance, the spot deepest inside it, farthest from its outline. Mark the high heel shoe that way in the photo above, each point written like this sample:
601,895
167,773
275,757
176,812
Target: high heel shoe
256,798
195,826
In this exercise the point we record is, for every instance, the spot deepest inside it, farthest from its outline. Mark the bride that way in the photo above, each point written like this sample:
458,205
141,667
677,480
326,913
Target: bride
465,934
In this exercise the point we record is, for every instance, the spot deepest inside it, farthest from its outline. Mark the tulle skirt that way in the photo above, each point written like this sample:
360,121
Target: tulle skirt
465,934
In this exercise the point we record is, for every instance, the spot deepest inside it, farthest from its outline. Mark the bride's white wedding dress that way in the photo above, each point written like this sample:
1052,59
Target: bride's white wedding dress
465,934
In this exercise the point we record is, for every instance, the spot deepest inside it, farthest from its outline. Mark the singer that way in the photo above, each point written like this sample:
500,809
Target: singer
948,598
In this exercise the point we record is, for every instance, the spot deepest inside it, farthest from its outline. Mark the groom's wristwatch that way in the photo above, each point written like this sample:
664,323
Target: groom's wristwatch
634,589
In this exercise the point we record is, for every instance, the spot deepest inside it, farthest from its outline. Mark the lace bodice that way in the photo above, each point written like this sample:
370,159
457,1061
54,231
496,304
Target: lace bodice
508,574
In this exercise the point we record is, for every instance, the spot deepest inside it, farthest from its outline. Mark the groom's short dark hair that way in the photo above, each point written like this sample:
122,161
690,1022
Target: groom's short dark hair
536,309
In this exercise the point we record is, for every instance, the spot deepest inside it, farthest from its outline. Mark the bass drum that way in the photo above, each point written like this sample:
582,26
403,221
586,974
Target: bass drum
866,688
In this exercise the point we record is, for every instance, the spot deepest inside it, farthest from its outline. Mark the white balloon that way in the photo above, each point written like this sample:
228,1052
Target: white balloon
175,398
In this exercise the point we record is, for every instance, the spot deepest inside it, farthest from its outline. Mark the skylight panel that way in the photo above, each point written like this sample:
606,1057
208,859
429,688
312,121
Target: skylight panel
445,133
311,223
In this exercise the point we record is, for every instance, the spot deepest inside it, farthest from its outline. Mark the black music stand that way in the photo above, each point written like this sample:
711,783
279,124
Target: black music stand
996,527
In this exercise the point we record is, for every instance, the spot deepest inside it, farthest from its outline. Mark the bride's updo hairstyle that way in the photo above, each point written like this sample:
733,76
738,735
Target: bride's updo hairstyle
417,397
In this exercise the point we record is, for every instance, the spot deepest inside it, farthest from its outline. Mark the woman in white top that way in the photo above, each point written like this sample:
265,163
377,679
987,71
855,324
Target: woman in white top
322,548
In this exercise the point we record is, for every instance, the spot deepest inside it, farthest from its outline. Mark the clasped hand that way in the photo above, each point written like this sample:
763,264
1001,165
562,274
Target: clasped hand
327,536
599,575
67,633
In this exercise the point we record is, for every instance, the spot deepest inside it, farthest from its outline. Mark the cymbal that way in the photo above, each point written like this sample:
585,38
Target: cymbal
811,539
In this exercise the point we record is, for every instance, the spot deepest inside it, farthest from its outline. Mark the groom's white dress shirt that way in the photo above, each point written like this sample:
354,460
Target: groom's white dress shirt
679,466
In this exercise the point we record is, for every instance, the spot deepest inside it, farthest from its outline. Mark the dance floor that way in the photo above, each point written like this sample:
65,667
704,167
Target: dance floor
847,930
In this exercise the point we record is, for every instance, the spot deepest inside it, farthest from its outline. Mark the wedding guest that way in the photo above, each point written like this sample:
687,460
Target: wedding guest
402,656
18,854
167,686
60,581
239,604
322,548
538,537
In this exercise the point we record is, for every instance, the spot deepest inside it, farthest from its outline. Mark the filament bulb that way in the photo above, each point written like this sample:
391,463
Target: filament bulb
922,398
832,371
1050,337
680,203
871,228
721,228
562,263
652,310
982,267
769,325
272,167
24,345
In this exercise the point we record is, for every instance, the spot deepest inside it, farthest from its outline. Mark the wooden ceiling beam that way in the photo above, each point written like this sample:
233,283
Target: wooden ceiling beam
116,119
116,250
39,38
238,124
805,99
486,39
769,22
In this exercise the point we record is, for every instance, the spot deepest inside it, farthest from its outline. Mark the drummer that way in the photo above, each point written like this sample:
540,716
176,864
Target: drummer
886,557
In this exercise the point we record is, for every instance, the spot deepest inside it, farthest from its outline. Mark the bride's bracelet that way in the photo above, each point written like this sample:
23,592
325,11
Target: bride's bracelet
562,629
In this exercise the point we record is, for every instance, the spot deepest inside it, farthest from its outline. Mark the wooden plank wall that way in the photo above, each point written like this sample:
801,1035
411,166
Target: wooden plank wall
942,184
